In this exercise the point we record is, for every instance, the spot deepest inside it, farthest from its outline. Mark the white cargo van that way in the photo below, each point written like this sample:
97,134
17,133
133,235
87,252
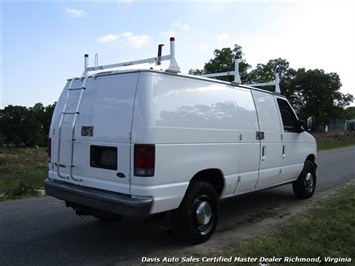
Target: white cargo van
143,142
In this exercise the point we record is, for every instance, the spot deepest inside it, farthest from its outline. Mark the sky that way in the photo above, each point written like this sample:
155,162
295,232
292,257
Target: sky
43,42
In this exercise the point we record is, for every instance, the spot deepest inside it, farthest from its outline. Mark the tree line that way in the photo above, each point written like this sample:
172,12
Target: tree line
22,126
311,92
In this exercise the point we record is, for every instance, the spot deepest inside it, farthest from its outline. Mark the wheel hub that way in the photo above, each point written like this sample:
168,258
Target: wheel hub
203,212
309,182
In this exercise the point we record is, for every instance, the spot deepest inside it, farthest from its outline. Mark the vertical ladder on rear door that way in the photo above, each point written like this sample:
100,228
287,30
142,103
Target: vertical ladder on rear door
74,114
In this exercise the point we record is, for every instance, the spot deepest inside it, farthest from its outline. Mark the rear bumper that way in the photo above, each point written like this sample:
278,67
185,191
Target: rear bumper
99,199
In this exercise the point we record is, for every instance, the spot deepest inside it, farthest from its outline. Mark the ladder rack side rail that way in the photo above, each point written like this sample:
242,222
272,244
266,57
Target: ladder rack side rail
261,84
221,74
128,63
83,88
58,164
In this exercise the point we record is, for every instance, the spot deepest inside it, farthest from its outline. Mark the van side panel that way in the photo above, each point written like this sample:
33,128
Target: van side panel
101,145
195,125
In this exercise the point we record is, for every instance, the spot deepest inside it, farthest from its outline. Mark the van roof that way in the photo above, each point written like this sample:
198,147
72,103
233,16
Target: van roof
158,71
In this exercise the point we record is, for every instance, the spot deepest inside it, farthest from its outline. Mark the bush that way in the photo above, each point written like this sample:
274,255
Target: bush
20,190
330,140
22,171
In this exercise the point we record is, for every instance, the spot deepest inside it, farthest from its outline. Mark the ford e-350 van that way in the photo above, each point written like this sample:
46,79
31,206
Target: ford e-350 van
142,142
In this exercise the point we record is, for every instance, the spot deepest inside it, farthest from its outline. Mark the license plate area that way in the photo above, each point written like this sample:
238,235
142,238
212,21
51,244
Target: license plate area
104,157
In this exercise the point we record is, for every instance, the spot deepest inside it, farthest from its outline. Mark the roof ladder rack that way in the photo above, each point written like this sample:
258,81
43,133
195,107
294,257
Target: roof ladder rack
173,67
237,80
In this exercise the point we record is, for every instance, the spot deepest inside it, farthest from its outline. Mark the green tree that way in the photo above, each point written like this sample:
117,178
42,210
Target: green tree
48,112
41,120
318,93
349,113
36,114
26,126
311,92
266,73
14,124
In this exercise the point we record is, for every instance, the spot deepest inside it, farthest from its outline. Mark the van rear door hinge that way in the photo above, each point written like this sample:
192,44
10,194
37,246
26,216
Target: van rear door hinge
260,135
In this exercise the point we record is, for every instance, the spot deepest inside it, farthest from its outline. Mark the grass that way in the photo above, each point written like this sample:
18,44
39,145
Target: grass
326,231
22,171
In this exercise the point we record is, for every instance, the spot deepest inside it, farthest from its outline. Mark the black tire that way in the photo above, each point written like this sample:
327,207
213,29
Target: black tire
305,185
197,216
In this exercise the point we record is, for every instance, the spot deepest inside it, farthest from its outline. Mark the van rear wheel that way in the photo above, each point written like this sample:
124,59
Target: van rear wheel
305,185
196,219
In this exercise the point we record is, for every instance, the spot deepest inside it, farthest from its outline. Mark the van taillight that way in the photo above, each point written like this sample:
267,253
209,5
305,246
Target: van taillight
49,149
144,159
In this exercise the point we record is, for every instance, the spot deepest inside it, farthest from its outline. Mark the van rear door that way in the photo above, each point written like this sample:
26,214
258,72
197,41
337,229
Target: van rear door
90,132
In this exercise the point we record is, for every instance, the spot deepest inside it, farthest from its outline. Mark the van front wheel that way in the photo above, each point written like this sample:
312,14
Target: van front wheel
305,185
196,219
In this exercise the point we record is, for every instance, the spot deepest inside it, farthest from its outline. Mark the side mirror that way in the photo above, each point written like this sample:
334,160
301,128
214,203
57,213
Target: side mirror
299,126
311,124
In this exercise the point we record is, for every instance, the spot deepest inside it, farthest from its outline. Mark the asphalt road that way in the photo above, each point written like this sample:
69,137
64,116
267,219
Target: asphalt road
42,231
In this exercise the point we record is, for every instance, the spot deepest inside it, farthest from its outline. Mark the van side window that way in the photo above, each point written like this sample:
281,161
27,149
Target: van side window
287,115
